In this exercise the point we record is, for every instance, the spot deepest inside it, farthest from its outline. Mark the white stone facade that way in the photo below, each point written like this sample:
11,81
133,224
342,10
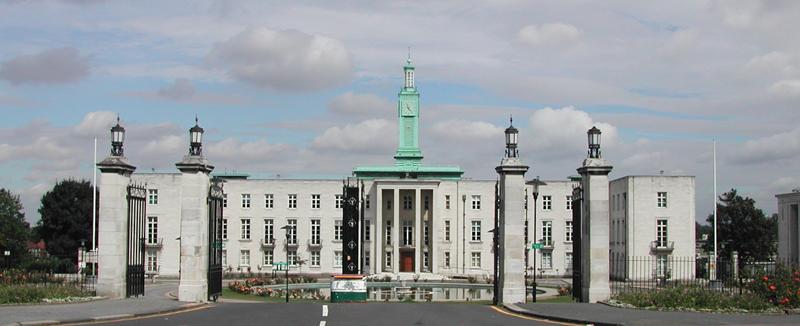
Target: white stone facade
789,228
464,207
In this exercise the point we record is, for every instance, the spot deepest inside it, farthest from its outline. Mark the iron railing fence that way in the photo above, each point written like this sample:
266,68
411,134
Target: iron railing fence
648,273
85,282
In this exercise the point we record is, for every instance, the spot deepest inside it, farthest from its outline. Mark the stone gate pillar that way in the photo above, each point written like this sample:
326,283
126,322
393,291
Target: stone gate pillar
115,176
595,223
511,247
195,183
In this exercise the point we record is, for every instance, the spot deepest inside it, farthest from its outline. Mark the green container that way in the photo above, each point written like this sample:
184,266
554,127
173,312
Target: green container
349,297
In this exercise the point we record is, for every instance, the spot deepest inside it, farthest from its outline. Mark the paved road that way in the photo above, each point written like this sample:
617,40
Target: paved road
230,314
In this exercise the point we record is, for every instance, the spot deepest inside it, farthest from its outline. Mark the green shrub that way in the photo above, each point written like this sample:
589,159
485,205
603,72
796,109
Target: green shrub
35,294
780,287
693,297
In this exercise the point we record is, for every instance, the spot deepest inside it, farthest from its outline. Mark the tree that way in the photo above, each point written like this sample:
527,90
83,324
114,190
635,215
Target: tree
14,230
66,218
743,228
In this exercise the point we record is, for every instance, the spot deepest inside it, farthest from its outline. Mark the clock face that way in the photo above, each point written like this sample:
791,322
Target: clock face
408,109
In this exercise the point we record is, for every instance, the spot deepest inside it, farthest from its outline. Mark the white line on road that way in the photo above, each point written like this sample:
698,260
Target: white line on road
324,313
322,323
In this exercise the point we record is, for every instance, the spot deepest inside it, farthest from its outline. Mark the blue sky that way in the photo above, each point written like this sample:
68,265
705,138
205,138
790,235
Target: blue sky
308,89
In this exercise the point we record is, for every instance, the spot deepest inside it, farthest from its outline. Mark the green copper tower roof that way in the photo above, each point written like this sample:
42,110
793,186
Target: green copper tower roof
408,158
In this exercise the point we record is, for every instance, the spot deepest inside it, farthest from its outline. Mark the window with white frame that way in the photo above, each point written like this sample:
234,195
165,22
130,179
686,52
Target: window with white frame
269,201
152,229
244,257
245,200
224,257
316,229
568,231
338,201
407,233
314,258
367,231
547,203
245,234
387,261
337,230
268,257
388,232
152,196
446,201
661,266
547,233
292,201
224,200
407,202
568,261
388,204
366,201
569,203
292,258
337,258
366,259
152,261
661,232
426,204
547,260
269,231
224,229
476,230
292,231
315,201
662,199
447,230
446,259
476,202
476,259
426,260
426,235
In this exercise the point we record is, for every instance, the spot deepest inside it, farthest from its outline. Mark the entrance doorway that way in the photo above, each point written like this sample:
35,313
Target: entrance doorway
407,261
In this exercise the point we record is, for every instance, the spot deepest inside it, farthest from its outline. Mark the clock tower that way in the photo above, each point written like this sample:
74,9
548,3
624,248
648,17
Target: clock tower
408,153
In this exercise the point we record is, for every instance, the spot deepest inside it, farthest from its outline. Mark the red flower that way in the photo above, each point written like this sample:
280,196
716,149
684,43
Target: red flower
784,301
772,287
765,278
796,279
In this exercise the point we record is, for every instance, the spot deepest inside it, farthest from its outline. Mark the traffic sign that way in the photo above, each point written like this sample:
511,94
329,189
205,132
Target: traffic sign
537,245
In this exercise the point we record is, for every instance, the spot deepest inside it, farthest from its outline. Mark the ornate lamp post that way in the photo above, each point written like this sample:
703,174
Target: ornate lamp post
594,142
535,183
196,139
117,138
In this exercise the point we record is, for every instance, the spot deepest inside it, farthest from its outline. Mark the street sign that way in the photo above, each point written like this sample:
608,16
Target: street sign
537,245
280,266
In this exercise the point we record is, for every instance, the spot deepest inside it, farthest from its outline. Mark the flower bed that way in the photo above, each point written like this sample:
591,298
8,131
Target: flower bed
27,293
254,286
693,298
781,287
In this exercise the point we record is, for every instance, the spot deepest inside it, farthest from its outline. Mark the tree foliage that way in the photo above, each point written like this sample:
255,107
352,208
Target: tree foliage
66,217
743,228
14,230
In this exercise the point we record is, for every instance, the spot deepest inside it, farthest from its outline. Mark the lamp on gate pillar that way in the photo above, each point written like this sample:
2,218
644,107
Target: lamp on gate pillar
594,142
117,138
512,135
196,139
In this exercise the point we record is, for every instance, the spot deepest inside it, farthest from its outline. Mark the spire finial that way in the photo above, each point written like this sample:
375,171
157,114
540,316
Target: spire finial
409,55
196,122
117,118
511,119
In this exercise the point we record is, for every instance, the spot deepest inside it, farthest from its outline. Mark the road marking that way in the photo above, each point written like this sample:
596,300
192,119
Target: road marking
324,310
531,318
322,323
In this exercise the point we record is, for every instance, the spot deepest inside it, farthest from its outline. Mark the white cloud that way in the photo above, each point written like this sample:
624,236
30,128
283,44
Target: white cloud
553,34
165,145
785,145
773,62
786,88
562,132
353,104
180,89
96,123
53,66
680,43
467,131
284,60
368,136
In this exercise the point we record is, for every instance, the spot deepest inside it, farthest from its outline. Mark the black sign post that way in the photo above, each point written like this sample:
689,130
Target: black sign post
350,221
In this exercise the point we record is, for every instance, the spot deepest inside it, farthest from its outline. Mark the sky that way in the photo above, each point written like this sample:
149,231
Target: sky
308,89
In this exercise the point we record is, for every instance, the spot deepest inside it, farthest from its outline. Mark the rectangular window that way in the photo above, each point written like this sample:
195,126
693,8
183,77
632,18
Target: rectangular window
224,229
446,259
269,231
244,258
367,231
269,201
152,229
337,230
547,260
476,230
446,201
152,261
661,233
292,201
366,258
661,266
245,200
366,201
224,200
476,202
568,261
315,201
315,258
338,201
387,261
568,231
426,235
224,258
407,202
245,234
152,196
547,233
292,259
315,232
388,232
337,258
547,203
476,259
569,203
407,233
268,257
426,203
662,199
446,230
426,260
292,231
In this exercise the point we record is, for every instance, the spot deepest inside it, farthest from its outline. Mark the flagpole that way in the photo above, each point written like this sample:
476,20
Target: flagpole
94,205
714,275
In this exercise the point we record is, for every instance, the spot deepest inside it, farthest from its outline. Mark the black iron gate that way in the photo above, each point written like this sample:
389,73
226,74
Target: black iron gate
134,273
215,198
577,213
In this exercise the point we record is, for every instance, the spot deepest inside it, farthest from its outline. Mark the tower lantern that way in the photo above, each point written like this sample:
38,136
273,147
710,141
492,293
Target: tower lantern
117,139
196,139
512,137
594,142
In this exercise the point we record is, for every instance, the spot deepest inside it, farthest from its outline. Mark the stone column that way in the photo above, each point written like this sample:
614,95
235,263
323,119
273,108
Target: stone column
195,183
115,176
433,255
595,230
511,276
418,238
377,254
396,231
